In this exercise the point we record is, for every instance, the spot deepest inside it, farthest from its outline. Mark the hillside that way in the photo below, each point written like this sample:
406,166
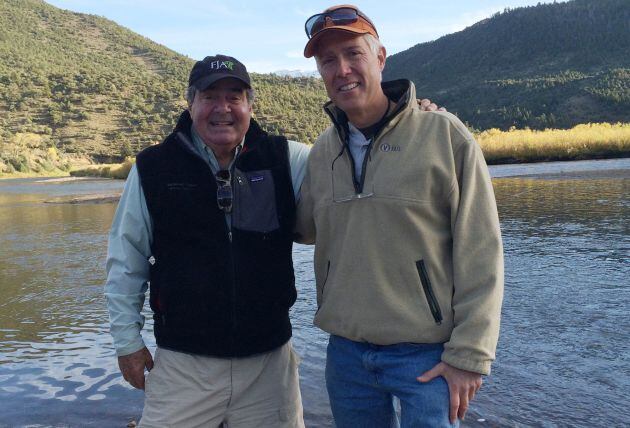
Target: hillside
76,87
82,85
551,65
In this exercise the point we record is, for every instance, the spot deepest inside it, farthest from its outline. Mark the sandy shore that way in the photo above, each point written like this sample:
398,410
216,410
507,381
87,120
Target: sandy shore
102,198
67,179
613,168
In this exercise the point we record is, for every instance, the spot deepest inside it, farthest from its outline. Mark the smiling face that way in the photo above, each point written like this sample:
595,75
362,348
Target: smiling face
352,74
221,115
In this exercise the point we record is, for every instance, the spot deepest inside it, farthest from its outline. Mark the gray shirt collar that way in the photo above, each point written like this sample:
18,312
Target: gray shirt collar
208,155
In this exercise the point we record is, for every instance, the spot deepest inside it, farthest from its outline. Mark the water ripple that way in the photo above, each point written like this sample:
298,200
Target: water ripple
563,357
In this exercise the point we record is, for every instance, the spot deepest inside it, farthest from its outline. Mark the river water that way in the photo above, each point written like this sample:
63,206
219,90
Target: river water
564,352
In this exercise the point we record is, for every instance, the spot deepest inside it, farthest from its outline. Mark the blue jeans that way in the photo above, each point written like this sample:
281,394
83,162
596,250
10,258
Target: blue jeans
362,380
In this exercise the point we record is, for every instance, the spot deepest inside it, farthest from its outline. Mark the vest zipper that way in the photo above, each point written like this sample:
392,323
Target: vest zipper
234,329
233,265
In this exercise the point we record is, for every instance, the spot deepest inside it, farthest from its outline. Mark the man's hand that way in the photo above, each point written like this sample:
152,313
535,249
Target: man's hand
426,105
132,366
462,386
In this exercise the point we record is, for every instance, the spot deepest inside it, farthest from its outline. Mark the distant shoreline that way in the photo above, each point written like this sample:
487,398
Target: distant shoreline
596,169
492,162
596,156
586,141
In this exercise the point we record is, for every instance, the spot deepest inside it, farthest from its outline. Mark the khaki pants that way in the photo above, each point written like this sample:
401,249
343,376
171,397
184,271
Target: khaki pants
186,390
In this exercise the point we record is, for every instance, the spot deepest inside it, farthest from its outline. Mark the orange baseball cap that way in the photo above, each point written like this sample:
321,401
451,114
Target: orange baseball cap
345,17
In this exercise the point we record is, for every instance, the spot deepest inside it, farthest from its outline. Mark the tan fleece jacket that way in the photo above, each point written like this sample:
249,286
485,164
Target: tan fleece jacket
417,256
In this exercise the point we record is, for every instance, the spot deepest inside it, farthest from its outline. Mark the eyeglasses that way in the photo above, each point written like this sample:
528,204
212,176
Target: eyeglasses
224,190
341,16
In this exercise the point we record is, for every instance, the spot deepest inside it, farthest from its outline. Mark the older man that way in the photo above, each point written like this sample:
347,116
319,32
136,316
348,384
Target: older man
408,258
207,218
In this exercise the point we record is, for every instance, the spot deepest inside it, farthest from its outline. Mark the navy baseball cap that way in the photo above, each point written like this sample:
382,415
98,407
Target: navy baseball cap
214,68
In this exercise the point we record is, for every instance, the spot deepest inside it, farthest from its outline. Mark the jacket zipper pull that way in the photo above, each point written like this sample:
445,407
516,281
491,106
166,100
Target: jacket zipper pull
230,236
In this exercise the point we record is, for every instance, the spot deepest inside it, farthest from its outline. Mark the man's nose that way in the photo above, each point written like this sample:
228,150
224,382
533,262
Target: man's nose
343,68
222,105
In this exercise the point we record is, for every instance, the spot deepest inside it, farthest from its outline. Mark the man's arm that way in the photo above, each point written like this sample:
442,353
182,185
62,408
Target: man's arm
298,157
304,228
478,277
477,261
127,277
305,222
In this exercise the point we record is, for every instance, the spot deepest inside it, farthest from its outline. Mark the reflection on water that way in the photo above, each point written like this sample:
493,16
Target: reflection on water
56,362
563,357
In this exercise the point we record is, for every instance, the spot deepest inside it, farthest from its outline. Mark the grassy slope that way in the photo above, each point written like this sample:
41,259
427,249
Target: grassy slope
78,88
89,87
546,66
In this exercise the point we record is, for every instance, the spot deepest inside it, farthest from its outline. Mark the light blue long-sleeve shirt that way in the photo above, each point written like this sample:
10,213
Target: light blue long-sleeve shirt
358,145
129,249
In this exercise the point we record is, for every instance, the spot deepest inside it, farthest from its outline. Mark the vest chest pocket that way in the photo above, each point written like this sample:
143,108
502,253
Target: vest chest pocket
178,203
173,199
255,201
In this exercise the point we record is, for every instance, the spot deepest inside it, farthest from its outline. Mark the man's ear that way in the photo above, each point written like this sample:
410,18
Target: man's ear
382,54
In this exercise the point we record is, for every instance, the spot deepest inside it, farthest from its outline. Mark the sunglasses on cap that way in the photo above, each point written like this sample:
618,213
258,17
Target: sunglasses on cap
224,190
343,16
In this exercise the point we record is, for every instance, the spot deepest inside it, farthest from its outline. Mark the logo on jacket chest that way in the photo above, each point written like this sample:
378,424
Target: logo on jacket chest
387,148
181,186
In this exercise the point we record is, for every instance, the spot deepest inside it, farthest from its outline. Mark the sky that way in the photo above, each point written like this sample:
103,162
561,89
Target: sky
269,35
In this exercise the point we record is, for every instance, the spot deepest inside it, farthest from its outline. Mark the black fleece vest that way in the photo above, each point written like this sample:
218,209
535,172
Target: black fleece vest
211,295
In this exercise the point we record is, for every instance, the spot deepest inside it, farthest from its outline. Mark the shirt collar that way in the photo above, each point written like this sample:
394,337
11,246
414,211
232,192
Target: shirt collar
207,153
356,136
